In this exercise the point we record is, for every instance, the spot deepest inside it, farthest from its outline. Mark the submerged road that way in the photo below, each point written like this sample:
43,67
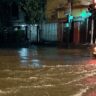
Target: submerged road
47,71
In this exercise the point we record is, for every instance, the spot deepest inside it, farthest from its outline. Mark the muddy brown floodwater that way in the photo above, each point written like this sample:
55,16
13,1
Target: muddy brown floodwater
47,71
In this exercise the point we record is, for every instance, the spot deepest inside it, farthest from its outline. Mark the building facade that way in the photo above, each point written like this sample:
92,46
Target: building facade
73,20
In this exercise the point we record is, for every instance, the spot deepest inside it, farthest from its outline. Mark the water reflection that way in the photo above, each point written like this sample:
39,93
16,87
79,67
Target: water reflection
92,61
93,93
56,71
90,76
23,52
27,58
31,64
36,63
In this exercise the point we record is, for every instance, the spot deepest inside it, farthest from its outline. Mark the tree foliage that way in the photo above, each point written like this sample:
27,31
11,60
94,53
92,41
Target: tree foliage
34,9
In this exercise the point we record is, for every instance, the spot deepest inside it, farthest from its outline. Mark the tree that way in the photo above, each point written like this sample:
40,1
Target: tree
5,12
34,10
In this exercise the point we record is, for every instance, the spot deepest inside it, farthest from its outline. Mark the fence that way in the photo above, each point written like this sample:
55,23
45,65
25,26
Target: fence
47,32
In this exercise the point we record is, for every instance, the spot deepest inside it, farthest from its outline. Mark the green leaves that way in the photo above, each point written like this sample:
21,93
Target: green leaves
33,9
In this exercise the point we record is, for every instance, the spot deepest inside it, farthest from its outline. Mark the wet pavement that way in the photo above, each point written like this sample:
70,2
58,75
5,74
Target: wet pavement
47,71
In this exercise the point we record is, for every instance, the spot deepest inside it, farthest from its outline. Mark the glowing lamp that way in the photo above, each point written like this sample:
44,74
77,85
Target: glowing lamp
94,48
94,1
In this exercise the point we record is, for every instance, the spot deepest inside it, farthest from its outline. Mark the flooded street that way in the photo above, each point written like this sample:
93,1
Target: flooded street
47,71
